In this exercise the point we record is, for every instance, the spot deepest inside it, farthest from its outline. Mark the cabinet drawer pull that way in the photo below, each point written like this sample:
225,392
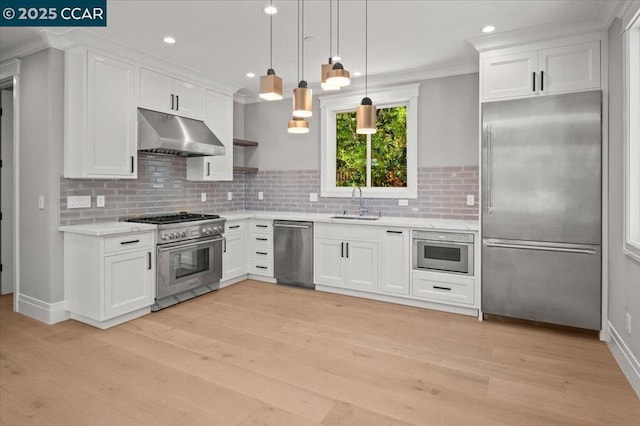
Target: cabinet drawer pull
208,169
347,244
234,227
132,164
261,267
341,249
129,242
534,81
149,260
437,287
394,232
262,239
262,226
542,81
177,102
172,101
263,253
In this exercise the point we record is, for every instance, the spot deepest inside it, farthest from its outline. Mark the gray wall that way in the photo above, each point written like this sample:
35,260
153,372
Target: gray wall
41,164
624,273
447,128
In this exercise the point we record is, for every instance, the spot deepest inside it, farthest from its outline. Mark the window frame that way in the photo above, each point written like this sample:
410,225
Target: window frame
394,96
631,54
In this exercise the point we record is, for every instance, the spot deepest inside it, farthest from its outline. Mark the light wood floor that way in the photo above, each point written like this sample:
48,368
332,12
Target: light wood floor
262,354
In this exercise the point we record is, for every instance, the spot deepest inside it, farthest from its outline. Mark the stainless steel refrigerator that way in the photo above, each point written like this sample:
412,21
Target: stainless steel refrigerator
541,217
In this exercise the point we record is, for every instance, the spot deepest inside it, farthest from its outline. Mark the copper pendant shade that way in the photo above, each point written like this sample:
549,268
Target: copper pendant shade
302,101
338,76
298,125
270,86
366,118
324,75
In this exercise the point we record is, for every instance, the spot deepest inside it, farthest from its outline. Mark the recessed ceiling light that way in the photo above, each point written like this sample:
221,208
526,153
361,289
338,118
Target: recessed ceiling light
356,74
169,40
336,58
488,29
270,10
250,75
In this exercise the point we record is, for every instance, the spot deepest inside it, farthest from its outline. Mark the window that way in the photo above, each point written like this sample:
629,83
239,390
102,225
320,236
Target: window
384,164
632,139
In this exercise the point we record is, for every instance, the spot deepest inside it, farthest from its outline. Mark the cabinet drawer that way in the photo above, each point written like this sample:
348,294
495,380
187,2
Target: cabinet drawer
127,242
235,227
261,267
259,239
441,287
262,226
259,252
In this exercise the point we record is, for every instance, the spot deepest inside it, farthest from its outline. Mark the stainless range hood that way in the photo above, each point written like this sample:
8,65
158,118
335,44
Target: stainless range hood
170,134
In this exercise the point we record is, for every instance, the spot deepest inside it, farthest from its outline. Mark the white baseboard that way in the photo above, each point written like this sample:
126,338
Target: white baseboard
262,278
626,360
232,281
49,313
103,325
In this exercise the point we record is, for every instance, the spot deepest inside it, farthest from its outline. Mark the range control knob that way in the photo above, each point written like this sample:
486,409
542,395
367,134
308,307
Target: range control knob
206,231
183,234
163,237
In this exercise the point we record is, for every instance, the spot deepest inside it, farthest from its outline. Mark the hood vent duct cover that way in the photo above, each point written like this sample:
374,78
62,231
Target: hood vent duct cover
163,133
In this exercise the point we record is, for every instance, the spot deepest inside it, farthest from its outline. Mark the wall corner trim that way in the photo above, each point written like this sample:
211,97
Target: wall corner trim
624,357
49,313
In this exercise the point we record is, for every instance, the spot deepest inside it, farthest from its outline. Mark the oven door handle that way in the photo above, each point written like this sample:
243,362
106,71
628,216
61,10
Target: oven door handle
183,246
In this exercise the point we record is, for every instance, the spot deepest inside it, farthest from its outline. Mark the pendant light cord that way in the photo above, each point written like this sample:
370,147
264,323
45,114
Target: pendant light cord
330,28
338,31
366,47
298,37
302,37
271,38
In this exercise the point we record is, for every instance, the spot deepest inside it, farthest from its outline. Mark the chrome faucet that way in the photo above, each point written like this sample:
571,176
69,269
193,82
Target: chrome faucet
363,209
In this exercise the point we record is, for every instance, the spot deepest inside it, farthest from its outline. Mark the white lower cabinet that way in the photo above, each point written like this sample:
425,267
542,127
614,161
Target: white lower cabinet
261,247
234,258
344,258
395,262
109,279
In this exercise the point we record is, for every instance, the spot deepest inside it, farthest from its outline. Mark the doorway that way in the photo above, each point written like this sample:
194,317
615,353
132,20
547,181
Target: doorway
7,223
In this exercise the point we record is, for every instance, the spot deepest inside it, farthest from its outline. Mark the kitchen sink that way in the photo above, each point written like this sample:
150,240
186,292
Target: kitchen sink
354,217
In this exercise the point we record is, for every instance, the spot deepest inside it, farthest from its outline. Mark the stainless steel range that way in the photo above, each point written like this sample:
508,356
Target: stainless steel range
189,256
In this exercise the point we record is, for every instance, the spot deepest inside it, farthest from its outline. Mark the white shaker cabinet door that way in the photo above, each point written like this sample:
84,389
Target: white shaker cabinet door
569,68
111,142
234,259
128,283
189,99
362,265
156,91
394,261
509,76
328,263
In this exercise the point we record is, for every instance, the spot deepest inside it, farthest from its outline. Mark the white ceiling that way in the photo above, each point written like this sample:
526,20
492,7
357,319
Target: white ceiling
226,39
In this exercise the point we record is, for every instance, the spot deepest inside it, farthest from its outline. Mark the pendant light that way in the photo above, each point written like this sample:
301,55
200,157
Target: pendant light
302,102
271,84
338,76
366,112
302,95
324,72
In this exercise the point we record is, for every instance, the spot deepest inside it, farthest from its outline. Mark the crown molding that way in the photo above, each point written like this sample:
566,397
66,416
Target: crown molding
78,37
628,12
9,68
603,19
380,81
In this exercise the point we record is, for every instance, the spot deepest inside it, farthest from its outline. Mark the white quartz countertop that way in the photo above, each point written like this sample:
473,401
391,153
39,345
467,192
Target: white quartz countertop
405,222
101,229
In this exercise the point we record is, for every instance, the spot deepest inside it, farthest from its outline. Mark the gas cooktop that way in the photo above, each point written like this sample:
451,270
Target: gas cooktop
172,218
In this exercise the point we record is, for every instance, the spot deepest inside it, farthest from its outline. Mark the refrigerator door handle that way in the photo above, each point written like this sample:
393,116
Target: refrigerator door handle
541,248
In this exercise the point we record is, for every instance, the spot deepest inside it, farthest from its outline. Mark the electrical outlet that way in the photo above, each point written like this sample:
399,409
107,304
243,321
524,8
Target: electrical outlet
203,197
41,202
470,200
99,200
229,196
628,321
260,195
313,197
78,201
403,202
415,209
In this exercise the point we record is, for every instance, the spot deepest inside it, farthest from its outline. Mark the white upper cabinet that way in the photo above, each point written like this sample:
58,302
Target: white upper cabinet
162,93
569,68
538,72
100,117
509,76
218,116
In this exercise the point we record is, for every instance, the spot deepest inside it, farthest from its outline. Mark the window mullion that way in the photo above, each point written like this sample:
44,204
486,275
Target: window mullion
368,161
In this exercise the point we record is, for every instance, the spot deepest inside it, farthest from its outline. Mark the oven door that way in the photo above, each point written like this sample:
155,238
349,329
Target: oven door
443,256
188,264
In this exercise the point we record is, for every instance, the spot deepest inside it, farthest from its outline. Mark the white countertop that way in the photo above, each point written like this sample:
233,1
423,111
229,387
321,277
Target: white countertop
406,222
101,229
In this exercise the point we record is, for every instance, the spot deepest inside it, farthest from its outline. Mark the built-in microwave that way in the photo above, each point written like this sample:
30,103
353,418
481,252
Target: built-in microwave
443,251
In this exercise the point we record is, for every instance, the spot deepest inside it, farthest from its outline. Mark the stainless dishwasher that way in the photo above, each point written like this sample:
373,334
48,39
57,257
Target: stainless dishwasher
293,252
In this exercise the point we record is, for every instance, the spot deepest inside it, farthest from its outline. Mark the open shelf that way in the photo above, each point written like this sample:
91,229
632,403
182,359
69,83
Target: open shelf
243,142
